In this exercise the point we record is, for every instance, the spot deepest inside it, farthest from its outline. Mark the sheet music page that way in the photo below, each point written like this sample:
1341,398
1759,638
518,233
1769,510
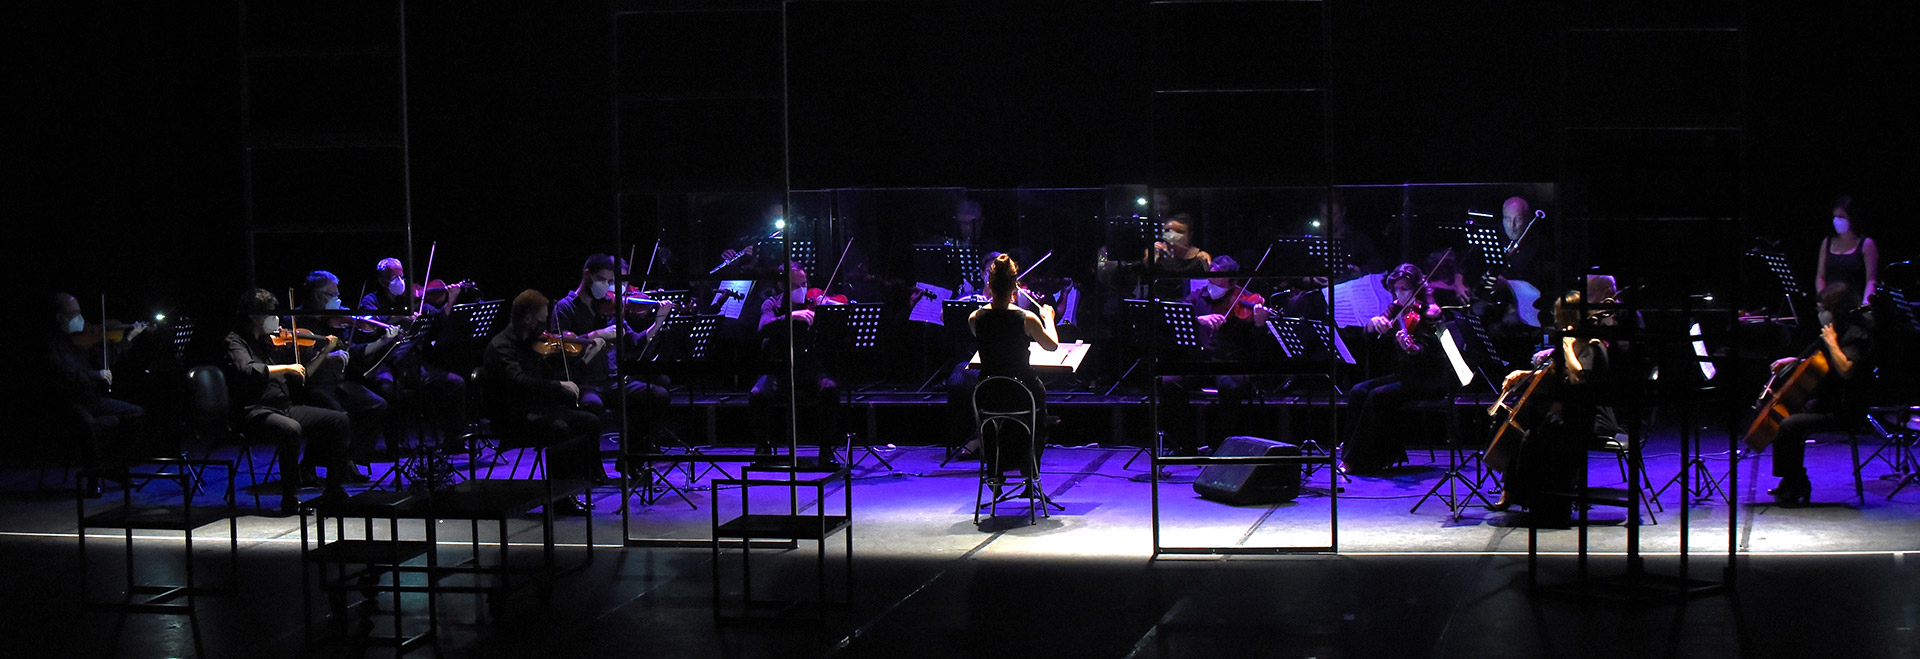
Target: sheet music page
928,309
1358,300
731,308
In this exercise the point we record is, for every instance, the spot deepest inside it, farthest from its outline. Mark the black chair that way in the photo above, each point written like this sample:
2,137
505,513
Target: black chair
210,421
127,517
1000,405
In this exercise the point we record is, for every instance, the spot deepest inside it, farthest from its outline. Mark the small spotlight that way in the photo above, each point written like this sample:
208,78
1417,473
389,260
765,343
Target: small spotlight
780,223
1315,224
159,318
1708,297
1141,201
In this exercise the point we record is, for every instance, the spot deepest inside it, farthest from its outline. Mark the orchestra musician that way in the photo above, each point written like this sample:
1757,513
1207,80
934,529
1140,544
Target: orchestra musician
81,381
588,312
330,387
1847,256
1176,254
788,316
1004,331
1227,321
258,387
1420,371
526,404
1546,464
1840,397
402,372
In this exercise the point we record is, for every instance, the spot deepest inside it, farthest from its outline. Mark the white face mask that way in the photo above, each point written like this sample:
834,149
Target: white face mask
396,286
271,324
1174,238
1215,292
597,290
1842,225
333,303
76,324
798,295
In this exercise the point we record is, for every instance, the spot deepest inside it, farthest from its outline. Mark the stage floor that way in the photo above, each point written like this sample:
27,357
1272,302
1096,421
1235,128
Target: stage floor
1835,579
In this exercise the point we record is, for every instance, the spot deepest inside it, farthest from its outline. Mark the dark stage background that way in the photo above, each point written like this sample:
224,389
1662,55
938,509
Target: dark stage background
134,182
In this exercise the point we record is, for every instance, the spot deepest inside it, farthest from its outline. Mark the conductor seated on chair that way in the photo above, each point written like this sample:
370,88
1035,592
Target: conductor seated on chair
1004,331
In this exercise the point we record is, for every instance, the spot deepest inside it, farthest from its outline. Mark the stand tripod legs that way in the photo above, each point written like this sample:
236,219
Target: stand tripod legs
1461,490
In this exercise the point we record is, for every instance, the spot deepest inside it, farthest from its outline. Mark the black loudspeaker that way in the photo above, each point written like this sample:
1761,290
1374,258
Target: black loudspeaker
1250,484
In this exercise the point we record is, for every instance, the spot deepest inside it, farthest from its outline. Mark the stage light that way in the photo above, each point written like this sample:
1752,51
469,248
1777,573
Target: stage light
780,223
1315,224
1141,201
159,318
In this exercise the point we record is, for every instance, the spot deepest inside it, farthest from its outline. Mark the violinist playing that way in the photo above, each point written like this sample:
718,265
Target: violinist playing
257,383
1551,451
533,409
788,316
1420,371
403,373
1227,320
1840,397
82,382
330,388
588,312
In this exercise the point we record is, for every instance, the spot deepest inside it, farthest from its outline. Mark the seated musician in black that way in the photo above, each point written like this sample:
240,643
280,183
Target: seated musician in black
788,315
1420,371
1003,331
1227,321
1840,399
402,371
529,408
80,381
330,387
588,312
1546,465
259,390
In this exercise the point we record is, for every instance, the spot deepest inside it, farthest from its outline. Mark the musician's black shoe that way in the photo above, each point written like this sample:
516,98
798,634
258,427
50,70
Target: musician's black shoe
1793,491
571,507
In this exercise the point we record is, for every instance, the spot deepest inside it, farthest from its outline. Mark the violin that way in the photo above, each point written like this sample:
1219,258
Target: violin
1239,306
302,338
567,344
817,297
114,331
441,294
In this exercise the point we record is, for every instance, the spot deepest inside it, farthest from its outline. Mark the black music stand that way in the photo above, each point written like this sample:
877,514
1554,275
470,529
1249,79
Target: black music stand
848,327
1776,264
773,251
1129,238
1302,256
1312,340
686,339
1163,325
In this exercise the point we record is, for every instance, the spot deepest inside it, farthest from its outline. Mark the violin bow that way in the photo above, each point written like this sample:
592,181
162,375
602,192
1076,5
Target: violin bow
1240,290
1422,285
421,307
293,322
1023,275
836,268
106,360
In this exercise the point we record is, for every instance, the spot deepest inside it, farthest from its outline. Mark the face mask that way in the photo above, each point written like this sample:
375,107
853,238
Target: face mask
333,303
597,290
396,286
271,324
76,324
1216,292
1174,238
798,295
1842,225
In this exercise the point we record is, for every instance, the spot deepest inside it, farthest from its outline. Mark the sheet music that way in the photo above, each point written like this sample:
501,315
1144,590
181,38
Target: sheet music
1358,300
1459,363
1067,358
734,304
928,309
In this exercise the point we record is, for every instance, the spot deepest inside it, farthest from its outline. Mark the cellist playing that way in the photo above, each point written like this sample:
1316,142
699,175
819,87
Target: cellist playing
1846,338
1549,454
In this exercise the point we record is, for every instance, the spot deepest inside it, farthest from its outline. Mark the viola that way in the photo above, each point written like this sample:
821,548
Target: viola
567,344
114,331
442,294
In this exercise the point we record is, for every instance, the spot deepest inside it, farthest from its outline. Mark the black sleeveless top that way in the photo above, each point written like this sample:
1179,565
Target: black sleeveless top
1003,340
1850,267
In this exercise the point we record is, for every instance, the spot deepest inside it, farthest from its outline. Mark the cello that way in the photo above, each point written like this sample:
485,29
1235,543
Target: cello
1788,391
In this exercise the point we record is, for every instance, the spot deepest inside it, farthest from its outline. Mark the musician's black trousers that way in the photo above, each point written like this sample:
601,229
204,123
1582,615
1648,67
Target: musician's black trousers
1790,445
1373,446
442,394
646,403
770,393
571,437
326,433
367,411
110,424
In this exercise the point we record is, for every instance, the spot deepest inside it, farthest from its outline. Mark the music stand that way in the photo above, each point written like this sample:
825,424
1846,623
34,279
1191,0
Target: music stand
182,336
1302,256
774,253
1307,338
1130,237
1163,324
848,327
1776,265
